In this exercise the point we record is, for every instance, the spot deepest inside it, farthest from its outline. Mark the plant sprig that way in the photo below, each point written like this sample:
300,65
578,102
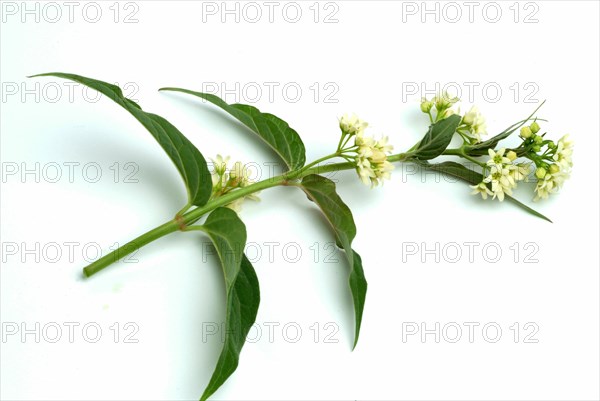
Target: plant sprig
215,196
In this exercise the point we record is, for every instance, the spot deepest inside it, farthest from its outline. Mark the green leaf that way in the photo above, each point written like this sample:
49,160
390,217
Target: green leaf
274,131
472,177
358,288
187,158
228,234
481,148
437,139
322,191
242,307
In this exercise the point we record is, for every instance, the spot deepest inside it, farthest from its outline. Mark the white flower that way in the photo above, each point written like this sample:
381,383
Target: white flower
449,112
220,164
559,178
544,187
502,182
352,125
225,181
236,205
497,158
239,175
550,183
372,165
475,123
218,180
482,189
384,146
520,171
564,152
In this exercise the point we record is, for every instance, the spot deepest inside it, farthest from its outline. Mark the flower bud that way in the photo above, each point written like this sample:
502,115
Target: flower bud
536,148
443,101
540,173
526,132
538,140
426,105
551,145
440,102
448,112
471,116
352,125
554,169
511,155
535,127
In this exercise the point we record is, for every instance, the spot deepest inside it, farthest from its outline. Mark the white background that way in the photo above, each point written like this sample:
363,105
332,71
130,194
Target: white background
373,57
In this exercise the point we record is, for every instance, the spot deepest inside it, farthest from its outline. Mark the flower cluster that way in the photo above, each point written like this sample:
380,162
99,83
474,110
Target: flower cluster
503,174
369,155
553,162
225,180
372,165
472,125
441,105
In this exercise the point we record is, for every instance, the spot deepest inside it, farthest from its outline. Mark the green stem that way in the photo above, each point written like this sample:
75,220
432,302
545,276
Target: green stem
184,209
299,172
460,153
183,222
130,247
180,222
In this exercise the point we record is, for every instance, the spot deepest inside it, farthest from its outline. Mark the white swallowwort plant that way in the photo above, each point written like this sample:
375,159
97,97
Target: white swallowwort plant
214,197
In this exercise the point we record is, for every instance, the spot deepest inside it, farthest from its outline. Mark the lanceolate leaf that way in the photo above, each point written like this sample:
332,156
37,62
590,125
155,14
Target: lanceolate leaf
437,139
274,131
322,191
472,177
242,306
228,234
480,149
186,157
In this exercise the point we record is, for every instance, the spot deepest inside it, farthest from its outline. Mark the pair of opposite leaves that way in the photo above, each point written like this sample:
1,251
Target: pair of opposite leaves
224,227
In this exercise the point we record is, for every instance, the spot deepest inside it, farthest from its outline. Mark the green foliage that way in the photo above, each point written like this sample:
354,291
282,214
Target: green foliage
437,138
187,158
228,234
273,130
472,177
322,191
